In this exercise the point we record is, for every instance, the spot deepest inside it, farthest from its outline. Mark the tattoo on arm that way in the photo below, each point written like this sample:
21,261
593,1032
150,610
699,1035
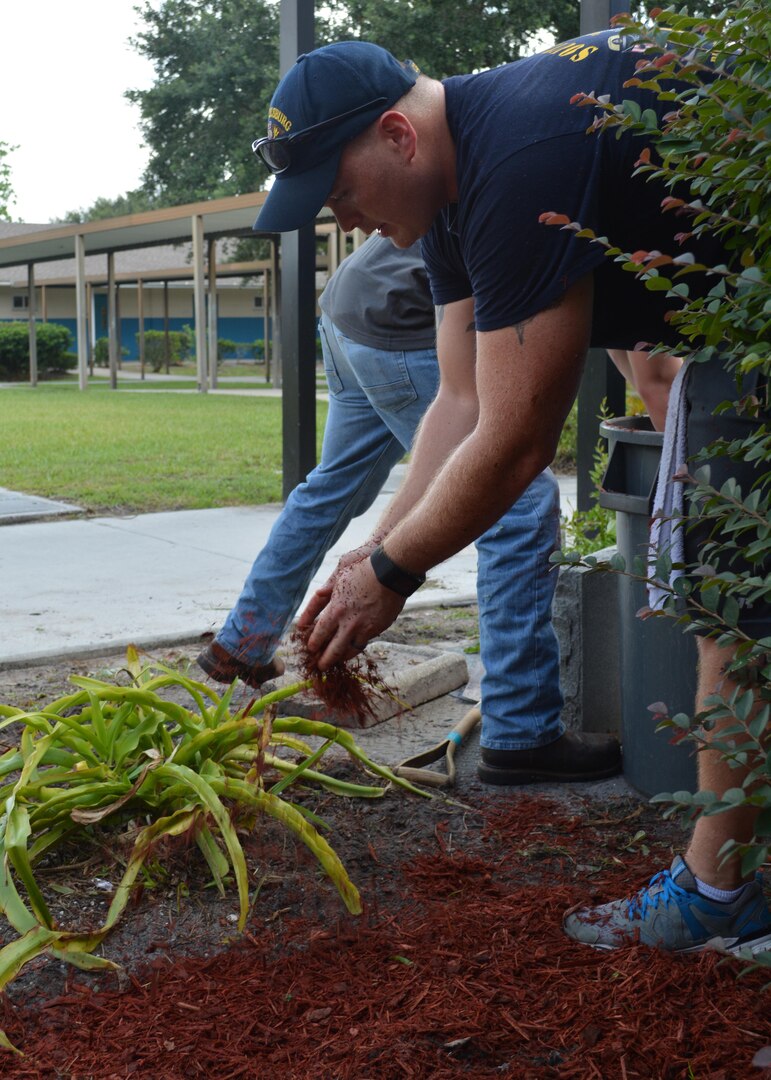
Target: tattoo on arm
519,327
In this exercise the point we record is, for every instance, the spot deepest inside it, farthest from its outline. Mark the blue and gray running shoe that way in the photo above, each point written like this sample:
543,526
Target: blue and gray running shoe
670,914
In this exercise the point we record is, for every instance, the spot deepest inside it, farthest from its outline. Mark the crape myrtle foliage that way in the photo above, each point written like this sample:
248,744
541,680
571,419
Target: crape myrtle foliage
712,158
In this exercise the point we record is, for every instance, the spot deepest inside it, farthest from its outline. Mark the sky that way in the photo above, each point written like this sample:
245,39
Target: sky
64,68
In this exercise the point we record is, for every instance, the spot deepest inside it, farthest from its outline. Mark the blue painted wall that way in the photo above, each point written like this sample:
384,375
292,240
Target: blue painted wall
242,330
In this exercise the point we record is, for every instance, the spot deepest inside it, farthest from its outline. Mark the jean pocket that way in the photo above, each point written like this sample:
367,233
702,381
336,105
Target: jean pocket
383,375
392,396
334,381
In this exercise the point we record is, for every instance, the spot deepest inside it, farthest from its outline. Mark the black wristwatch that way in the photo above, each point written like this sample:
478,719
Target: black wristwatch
398,580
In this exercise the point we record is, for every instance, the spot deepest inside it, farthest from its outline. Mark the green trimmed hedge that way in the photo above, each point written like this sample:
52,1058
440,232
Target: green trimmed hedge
180,346
53,349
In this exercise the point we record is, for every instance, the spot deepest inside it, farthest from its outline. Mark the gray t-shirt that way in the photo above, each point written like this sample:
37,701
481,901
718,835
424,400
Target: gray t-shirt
379,296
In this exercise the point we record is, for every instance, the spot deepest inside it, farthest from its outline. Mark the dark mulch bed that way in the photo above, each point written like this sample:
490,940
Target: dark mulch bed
458,966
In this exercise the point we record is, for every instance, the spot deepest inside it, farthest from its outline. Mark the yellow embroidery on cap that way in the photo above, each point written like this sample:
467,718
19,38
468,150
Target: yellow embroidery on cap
281,119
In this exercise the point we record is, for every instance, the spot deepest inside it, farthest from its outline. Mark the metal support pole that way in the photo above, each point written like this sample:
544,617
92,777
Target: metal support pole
601,381
166,340
81,324
333,260
90,326
266,293
141,321
112,321
275,316
298,292
596,14
31,311
199,305
211,268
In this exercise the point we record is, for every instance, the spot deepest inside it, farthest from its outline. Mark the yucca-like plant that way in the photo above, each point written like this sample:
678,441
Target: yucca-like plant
124,751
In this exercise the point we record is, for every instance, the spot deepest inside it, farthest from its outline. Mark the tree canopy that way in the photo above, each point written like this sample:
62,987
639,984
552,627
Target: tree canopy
7,195
132,202
216,64
453,37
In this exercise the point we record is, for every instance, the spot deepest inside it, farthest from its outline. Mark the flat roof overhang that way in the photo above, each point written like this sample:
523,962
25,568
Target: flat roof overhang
233,216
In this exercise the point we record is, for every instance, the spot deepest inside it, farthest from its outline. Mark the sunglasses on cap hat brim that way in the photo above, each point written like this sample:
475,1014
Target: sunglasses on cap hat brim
276,150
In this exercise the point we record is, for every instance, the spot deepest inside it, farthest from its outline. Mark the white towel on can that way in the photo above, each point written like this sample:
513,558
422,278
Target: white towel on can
666,534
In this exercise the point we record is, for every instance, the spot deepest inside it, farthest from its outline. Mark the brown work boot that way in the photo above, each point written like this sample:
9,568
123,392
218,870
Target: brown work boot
221,666
575,756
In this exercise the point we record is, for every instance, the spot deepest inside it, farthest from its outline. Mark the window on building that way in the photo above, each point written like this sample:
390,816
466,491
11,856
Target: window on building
21,303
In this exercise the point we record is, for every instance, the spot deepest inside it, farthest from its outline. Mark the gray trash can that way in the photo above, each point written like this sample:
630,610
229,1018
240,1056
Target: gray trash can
658,661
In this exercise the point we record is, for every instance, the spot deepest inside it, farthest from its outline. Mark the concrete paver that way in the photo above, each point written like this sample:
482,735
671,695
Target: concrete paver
16,506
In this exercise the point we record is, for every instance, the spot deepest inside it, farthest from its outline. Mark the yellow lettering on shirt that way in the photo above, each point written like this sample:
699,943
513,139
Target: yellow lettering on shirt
572,50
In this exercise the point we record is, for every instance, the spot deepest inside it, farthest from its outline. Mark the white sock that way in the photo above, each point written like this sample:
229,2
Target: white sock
723,896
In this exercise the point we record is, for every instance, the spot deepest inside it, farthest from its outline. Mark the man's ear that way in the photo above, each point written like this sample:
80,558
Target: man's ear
397,130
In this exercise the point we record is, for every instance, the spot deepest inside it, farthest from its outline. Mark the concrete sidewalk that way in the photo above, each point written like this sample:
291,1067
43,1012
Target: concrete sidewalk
91,585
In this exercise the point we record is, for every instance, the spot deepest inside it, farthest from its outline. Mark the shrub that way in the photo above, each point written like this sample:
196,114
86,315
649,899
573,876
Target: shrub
155,347
102,351
53,345
712,152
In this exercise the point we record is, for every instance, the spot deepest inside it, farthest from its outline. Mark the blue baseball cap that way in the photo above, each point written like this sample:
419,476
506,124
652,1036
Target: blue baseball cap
326,99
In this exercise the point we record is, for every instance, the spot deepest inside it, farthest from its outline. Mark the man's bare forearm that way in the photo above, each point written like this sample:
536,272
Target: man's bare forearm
527,376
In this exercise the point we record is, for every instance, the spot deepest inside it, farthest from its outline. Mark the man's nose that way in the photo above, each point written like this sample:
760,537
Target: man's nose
346,218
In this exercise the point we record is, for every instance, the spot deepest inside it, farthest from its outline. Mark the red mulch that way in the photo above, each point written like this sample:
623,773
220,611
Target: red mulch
458,969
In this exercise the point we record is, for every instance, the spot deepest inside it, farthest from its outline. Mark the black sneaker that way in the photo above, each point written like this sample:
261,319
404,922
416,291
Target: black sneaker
221,666
575,756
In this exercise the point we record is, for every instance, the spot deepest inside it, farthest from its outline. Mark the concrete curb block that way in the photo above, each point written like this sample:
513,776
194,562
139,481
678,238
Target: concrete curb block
413,674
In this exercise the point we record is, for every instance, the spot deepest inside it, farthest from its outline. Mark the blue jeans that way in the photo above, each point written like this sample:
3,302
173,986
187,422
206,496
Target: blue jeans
376,400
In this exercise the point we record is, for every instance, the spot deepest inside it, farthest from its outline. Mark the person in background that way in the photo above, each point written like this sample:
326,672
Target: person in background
378,340
651,377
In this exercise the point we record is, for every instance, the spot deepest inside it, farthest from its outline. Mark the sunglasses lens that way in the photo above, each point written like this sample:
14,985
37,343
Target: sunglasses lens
274,152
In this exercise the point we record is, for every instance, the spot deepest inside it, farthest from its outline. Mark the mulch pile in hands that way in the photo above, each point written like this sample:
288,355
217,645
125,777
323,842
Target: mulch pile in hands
458,968
350,688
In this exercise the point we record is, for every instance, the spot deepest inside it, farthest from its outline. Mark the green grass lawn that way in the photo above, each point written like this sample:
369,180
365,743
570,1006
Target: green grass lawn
129,453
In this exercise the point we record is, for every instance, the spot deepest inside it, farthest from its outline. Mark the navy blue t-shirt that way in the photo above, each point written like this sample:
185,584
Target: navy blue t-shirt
523,149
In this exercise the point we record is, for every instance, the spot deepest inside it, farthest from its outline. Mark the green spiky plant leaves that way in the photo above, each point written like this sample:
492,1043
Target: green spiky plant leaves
114,753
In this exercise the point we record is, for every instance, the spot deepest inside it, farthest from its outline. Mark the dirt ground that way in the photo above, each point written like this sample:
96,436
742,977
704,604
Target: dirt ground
457,967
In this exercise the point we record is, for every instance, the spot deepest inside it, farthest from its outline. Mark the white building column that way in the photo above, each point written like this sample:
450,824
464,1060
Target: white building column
199,303
211,269
112,321
81,322
31,312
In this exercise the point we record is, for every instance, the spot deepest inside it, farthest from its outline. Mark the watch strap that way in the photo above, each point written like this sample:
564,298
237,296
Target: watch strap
392,576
